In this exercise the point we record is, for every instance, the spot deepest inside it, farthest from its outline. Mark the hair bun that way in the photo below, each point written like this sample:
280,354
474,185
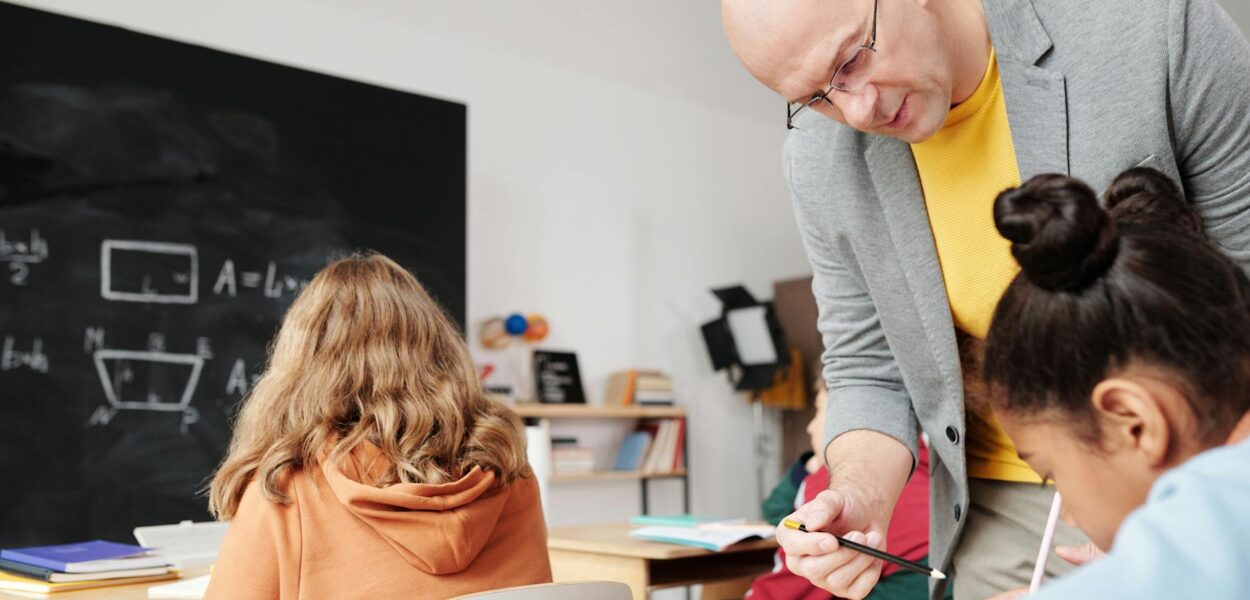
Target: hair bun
1144,196
1060,236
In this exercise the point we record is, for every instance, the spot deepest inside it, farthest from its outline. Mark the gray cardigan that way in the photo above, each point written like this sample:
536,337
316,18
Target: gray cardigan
1092,88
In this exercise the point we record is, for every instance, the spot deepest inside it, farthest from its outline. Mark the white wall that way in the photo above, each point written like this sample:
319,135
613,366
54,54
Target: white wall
621,163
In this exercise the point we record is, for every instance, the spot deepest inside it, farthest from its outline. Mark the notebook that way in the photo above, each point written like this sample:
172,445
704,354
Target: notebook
16,583
33,572
85,557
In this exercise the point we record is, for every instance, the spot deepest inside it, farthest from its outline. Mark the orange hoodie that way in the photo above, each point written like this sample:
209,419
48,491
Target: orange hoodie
340,538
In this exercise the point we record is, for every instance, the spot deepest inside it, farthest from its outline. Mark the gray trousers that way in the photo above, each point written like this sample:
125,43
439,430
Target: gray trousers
999,545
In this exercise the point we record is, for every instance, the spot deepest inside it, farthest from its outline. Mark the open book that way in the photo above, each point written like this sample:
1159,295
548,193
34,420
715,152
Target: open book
706,537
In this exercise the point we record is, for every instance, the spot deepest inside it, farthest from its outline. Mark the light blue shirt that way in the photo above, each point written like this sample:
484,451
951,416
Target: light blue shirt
1190,540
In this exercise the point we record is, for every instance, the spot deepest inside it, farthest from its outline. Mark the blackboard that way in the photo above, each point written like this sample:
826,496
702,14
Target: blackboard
160,206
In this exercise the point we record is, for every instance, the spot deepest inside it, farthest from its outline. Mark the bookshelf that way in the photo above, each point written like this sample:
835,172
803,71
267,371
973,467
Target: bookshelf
543,414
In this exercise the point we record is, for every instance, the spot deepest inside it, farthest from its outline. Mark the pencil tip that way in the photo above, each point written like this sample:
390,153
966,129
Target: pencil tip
936,574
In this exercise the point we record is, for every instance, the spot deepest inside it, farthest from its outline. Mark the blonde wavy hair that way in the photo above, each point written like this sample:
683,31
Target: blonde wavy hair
365,355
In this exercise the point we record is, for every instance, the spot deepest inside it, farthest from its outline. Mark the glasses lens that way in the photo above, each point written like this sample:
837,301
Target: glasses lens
855,72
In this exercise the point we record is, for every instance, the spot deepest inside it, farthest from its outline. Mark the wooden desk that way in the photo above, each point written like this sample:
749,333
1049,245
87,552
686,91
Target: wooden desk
606,552
135,591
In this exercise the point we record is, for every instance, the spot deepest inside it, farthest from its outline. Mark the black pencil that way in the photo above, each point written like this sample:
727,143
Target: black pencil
873,552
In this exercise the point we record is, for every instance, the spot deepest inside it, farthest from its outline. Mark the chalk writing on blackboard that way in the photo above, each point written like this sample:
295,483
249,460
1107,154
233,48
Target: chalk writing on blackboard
127,377
238,382
150,272
118,368
22,252
30,249
271,283
14,357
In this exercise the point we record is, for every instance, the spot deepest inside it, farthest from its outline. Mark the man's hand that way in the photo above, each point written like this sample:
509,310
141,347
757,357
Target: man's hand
867,471
817,555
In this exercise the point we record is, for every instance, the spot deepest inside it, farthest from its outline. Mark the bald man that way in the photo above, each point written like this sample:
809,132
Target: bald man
908,118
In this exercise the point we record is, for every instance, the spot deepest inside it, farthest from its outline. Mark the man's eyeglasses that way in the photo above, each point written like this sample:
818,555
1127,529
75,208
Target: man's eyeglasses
850,76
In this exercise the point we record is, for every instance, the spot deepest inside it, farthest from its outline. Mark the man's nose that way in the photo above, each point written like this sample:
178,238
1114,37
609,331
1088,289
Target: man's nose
858,107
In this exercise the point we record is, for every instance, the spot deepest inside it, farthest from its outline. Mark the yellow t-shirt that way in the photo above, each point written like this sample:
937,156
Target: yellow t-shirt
962,169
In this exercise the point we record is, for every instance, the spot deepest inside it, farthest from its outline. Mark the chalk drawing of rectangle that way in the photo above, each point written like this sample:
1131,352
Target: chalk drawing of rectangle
194,361
190,296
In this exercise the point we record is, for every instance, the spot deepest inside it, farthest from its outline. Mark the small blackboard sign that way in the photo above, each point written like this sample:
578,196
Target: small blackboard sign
557,378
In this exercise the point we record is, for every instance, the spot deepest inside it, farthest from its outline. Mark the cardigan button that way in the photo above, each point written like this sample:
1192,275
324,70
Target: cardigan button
952,434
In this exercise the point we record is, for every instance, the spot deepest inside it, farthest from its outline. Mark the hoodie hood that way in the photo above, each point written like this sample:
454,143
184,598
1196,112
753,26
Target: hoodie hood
437,528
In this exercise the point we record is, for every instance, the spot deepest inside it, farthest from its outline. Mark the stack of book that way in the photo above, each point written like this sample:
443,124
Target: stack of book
569,458
639,386
653,388
48,569
658,446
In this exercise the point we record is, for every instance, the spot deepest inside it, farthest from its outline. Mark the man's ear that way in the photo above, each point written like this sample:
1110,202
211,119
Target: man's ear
1131,417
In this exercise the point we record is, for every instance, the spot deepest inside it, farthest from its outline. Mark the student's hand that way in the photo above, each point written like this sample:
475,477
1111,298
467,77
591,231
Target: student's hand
817,556
1079,555
1011,595
814,463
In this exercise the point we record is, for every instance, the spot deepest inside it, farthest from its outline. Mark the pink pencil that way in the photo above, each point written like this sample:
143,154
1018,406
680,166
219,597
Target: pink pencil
1048,537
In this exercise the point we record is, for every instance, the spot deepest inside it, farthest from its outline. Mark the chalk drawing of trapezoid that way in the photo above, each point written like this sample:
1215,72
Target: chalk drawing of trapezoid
129,376
151,272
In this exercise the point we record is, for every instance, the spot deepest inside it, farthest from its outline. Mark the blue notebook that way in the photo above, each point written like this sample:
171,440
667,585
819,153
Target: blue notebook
85,557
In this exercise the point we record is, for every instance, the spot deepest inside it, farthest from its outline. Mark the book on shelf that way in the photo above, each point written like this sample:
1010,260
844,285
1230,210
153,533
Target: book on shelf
666,453
653,398
620,388
633,449
639,386
653,381
572,459
654,427
655,454
679,456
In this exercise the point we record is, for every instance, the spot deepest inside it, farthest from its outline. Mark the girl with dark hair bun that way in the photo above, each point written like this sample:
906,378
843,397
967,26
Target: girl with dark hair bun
1121,358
